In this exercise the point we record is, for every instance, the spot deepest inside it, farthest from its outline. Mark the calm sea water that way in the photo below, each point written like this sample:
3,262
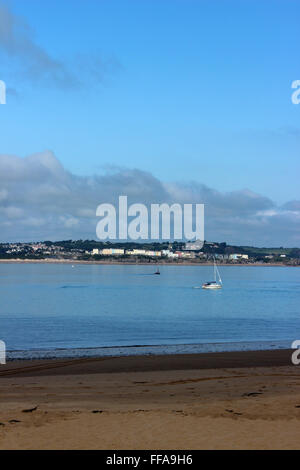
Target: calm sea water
56,310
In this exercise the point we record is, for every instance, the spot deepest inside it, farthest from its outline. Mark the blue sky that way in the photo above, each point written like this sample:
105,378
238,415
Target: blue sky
188,90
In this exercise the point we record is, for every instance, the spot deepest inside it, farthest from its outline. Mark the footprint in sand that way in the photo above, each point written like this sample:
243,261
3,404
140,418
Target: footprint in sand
30,410
234,412
251,394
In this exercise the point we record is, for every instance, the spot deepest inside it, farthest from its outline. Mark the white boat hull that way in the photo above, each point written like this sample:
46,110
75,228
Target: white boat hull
215,286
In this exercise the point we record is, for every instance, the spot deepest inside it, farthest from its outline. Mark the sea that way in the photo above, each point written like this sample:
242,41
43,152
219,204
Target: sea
62,311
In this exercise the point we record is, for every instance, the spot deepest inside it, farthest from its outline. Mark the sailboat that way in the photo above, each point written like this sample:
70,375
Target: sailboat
216,284
157,272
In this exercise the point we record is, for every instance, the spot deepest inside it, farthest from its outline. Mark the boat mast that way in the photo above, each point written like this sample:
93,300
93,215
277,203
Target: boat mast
216,272
220,280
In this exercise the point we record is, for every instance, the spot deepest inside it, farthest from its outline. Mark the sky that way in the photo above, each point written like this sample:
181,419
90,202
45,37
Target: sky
168,100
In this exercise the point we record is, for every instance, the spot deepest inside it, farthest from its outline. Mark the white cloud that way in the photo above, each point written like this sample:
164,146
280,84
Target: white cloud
69,222
3,195
11,212
40,199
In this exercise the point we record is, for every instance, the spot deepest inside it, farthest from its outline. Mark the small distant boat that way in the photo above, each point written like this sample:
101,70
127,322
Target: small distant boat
216,284
157,272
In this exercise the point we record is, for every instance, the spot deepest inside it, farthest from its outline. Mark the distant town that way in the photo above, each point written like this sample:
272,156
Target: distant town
165,252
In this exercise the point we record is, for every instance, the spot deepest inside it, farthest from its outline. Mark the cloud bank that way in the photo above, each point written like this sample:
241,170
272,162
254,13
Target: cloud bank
40,200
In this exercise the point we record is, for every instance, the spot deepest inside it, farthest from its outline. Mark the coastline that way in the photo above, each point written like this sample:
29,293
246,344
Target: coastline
142,263
248,400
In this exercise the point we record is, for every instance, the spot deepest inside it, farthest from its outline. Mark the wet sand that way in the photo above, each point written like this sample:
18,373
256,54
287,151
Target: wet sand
240,400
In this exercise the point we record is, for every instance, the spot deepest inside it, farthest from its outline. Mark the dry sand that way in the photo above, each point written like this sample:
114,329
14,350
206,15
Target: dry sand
248,400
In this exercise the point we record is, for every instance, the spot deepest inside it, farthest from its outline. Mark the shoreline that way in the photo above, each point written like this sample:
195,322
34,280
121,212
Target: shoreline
132,263
144,363
144,350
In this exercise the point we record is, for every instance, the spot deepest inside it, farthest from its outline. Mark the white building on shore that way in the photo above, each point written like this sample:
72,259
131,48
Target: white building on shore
237,256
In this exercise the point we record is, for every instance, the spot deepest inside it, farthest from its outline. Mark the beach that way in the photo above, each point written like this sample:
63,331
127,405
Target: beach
232,400
149,227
